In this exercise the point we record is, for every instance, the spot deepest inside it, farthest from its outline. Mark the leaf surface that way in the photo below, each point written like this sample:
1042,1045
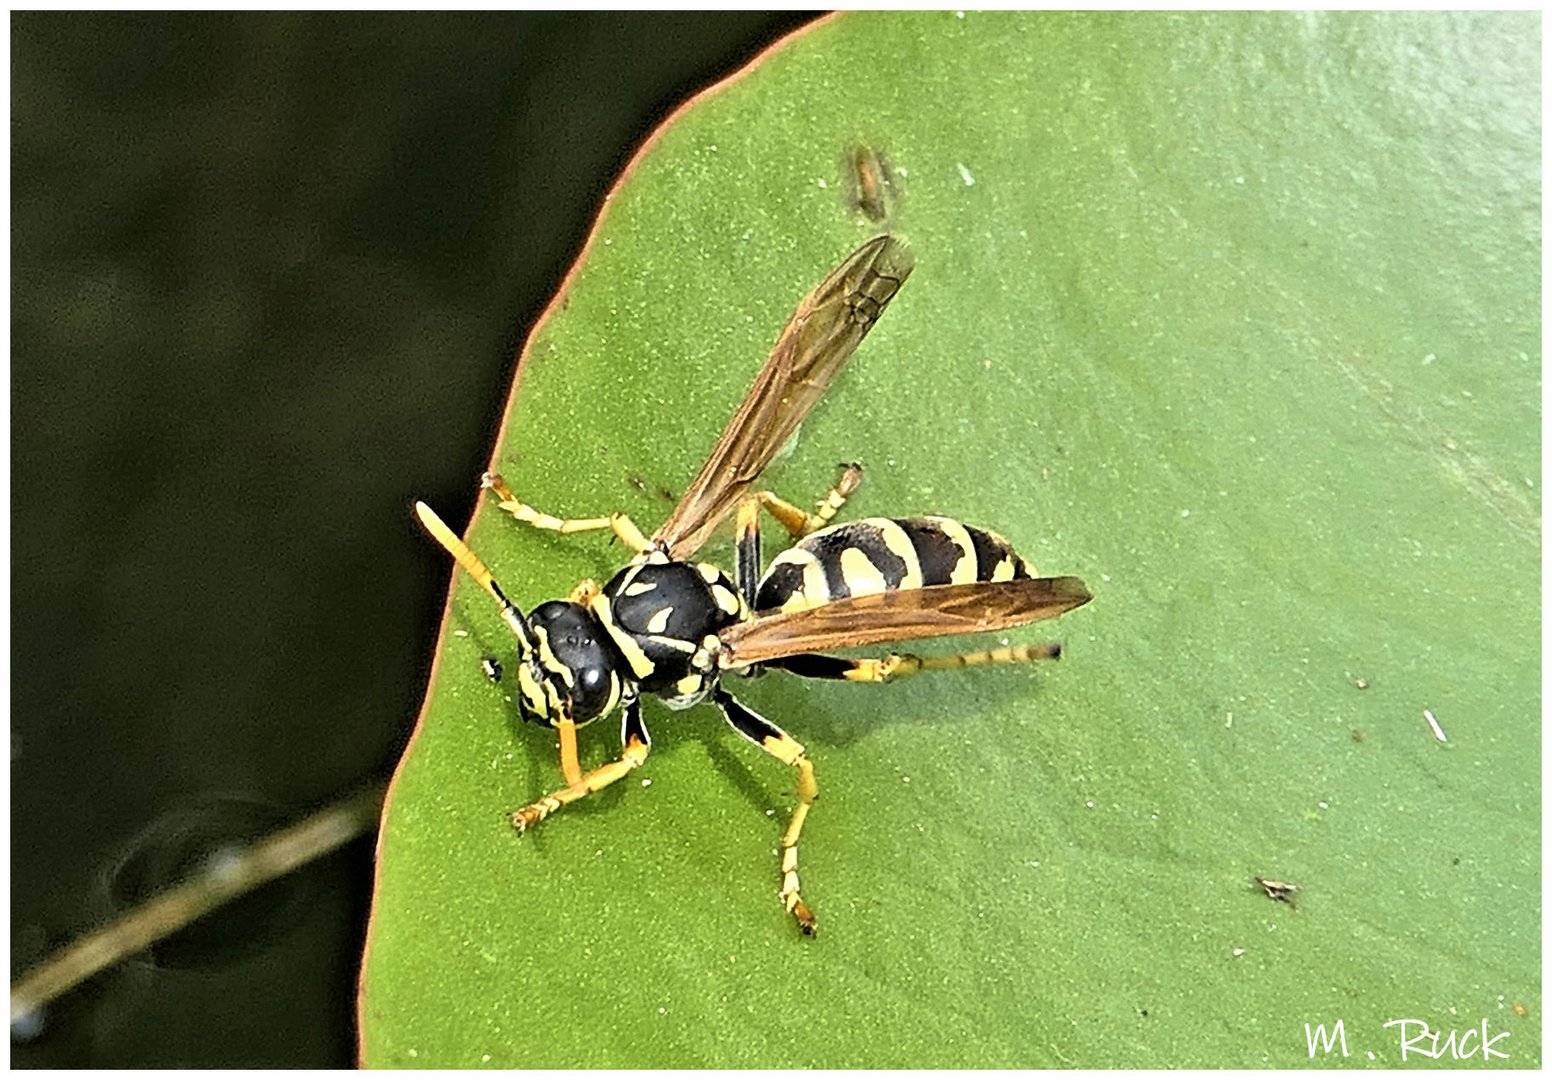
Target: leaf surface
1236,318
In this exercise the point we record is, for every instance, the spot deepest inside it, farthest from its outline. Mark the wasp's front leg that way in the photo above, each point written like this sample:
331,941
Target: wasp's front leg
635,744
622,525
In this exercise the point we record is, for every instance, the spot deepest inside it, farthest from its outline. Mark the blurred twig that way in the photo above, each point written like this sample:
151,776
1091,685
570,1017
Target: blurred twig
176,908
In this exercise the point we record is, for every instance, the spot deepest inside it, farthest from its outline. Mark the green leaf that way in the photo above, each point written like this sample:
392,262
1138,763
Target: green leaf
1233,316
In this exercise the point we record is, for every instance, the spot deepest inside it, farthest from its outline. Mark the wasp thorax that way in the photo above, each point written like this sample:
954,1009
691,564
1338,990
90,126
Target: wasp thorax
576,665
660,613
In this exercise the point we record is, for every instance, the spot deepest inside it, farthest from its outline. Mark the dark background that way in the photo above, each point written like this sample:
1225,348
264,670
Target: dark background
269,277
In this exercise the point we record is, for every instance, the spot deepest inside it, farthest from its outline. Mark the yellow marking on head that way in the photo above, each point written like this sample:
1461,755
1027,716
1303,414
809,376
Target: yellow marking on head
659,621
556,706
964,568
636,588
532,692
690,684
549,661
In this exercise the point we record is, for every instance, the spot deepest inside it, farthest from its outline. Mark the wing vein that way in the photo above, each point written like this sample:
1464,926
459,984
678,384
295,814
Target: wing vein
816,343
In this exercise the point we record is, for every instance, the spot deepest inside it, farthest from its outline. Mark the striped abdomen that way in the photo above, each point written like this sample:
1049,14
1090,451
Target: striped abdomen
875,555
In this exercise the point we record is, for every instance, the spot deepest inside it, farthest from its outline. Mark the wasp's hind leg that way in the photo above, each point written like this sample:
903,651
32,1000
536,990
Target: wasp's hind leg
900,665
798,523
794,519
636,743
770,738
622,525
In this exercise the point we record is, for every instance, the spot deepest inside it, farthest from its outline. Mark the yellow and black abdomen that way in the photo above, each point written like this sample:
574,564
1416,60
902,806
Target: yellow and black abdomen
876,555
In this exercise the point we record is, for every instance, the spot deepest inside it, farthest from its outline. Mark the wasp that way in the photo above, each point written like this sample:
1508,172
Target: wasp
672,627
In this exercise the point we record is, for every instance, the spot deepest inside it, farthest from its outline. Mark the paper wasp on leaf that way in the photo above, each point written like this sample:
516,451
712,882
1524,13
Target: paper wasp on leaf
670,627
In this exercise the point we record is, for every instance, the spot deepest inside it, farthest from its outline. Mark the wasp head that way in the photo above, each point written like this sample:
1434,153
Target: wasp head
570,669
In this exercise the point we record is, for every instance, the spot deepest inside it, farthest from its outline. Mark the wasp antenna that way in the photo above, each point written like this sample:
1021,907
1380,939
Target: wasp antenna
475,568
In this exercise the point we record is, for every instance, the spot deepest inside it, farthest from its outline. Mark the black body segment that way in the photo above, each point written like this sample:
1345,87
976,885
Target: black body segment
939,554
659,615
814,665
994,558
875,555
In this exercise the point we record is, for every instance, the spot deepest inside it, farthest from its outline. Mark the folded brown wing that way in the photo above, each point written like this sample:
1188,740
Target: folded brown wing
901,615
823,333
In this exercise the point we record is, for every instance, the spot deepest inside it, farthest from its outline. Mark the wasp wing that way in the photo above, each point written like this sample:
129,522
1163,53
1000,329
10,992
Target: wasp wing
822,334
901,615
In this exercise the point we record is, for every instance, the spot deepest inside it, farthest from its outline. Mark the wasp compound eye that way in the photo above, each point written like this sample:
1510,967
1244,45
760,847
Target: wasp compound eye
577,658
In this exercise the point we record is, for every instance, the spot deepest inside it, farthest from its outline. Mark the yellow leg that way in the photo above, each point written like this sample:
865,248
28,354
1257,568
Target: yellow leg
795,520
790,751
900,665
570,768
622,525
582,595
634,738
784,748
798,522
586,783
